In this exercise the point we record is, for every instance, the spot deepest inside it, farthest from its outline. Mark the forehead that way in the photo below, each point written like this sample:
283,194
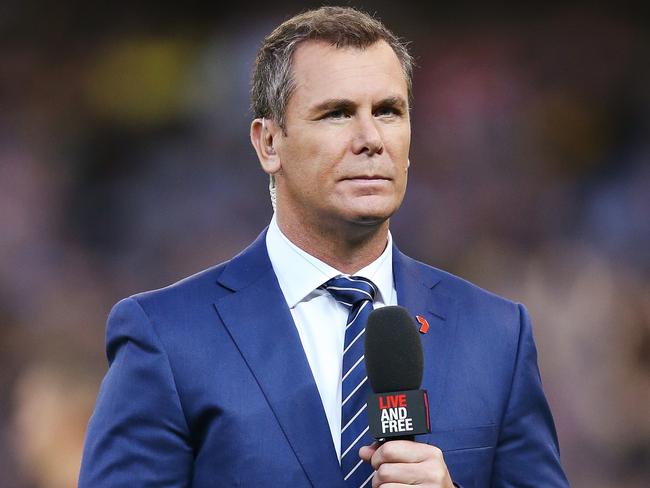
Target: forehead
322,71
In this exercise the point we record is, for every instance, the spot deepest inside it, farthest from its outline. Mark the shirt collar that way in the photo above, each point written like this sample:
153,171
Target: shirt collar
299,273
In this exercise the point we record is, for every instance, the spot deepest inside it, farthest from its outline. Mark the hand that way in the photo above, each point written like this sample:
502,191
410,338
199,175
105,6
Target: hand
402,463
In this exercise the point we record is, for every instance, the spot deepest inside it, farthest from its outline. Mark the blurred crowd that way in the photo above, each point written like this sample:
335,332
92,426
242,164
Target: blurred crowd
125,165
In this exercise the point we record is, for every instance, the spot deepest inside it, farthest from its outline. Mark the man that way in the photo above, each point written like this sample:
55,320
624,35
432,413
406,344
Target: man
237,376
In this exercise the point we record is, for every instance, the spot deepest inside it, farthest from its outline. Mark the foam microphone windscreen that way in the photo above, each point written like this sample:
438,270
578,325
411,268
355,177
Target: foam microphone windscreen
393,350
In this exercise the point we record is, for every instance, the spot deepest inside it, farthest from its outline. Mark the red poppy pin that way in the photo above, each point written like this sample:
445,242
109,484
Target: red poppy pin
424,325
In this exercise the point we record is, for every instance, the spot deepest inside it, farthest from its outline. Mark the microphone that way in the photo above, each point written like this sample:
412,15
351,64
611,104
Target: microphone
397,409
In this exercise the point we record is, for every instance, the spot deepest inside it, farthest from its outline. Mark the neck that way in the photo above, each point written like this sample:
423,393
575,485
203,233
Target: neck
347,247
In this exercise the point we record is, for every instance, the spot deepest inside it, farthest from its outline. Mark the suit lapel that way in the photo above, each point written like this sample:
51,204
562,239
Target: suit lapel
416,286
260,323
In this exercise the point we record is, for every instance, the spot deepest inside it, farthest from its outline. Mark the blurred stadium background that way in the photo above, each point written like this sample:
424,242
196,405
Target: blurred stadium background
125,165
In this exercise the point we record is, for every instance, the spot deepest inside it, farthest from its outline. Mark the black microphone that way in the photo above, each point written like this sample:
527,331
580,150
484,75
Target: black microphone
398,409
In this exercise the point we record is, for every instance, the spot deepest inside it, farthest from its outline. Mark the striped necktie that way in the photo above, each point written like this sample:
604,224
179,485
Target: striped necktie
357,295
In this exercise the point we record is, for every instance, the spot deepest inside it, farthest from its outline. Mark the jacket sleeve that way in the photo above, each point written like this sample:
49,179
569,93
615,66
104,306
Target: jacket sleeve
137,435
527,452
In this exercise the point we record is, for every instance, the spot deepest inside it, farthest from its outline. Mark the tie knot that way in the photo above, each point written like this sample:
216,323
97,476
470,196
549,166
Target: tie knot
350,290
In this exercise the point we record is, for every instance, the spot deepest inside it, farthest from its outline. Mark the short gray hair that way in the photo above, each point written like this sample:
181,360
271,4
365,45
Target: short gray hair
273,82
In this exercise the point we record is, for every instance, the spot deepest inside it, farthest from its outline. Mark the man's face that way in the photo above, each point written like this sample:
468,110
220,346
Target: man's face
344,157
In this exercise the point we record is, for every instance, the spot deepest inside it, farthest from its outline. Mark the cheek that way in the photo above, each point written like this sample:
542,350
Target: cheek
398,137
318,161
303,166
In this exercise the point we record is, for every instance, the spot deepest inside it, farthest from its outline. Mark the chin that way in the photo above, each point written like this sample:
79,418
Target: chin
366,211
371,218
370,221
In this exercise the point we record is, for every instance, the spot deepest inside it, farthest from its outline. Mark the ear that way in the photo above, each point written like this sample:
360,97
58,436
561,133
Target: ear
263,132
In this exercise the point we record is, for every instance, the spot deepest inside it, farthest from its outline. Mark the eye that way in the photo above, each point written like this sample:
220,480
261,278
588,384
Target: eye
387,112
336,114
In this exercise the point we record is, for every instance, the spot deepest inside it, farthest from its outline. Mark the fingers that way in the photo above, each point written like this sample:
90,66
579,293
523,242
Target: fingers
404,474
388,485
401,473
366,452
401,463
404,452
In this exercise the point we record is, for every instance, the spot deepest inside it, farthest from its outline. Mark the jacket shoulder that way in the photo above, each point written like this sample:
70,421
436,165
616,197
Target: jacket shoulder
460,289
184,293
480,313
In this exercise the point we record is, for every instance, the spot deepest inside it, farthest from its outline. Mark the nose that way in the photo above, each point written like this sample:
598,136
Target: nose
367,138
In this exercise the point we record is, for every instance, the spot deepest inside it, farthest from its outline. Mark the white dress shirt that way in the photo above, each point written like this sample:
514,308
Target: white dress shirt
319,318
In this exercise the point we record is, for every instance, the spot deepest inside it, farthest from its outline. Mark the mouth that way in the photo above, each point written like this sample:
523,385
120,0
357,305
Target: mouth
366,178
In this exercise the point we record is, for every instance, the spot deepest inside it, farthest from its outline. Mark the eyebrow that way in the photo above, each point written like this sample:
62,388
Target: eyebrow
334,104
394,101
346,104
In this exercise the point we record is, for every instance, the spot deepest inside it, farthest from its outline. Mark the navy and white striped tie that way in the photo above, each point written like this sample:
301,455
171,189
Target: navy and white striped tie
357,295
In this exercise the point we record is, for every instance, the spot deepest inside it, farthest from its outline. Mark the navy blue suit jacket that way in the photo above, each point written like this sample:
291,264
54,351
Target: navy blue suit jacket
209,386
